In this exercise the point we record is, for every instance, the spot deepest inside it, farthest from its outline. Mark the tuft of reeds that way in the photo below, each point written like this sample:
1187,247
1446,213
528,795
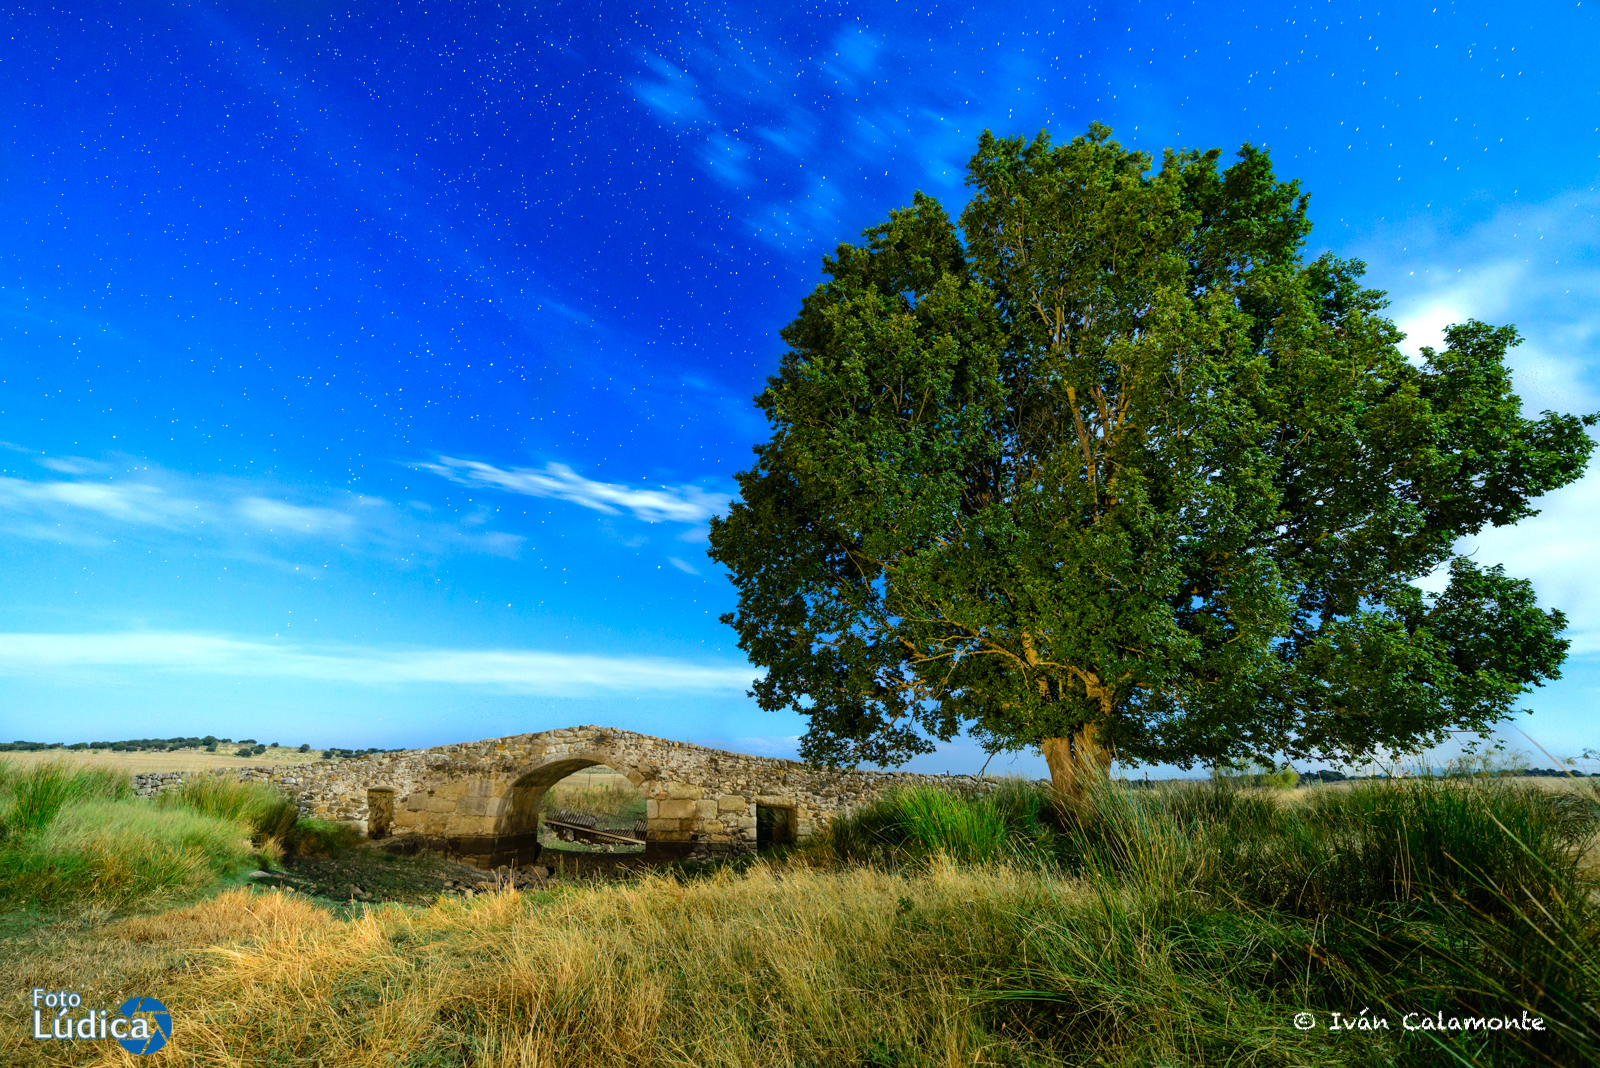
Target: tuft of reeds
916,824
116,852
32,795
76,834
269,813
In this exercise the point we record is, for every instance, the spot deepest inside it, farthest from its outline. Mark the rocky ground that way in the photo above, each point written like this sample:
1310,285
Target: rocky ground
367,872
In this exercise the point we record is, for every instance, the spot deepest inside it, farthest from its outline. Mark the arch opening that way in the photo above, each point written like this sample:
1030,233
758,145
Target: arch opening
576,806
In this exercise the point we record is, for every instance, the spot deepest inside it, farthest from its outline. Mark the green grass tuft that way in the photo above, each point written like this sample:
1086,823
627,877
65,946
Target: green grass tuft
31,796
117,852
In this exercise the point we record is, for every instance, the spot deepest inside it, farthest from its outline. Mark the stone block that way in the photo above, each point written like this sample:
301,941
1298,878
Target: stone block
732,803
706,810
651,809
673,836
469,825
678,791
775,800
472,806
439,804
452,790
654,826
675,810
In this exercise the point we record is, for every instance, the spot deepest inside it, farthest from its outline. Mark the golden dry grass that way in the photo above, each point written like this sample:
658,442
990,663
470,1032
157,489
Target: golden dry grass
109,961
770,968
182,760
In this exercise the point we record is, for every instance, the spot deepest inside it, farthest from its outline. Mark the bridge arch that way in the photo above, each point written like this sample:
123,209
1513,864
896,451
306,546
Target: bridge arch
479,801
525,800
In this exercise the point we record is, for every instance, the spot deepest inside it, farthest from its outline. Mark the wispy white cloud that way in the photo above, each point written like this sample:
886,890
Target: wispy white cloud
680,504
130,500
681,565
505,670
127,502
293,518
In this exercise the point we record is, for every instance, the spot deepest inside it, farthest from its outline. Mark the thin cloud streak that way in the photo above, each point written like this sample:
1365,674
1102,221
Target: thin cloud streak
678,504
134,500
529,672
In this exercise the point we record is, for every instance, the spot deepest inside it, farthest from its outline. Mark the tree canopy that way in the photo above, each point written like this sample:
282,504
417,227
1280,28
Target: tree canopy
1112,469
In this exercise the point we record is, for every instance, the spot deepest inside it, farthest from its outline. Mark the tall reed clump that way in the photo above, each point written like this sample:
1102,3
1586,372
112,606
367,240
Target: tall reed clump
273,817
31,796
918,823
1466,897
70,833
268,813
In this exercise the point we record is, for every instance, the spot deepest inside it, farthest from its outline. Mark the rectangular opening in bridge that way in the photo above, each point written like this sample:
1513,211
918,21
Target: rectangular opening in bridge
774,826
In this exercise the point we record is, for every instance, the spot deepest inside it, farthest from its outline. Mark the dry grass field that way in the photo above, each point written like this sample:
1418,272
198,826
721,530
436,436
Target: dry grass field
1188,925
140,763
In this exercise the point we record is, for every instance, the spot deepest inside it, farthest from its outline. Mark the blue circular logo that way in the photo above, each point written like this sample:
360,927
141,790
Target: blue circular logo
156,1036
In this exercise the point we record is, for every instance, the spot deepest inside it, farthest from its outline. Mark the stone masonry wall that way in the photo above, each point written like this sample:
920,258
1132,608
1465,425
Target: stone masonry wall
480,800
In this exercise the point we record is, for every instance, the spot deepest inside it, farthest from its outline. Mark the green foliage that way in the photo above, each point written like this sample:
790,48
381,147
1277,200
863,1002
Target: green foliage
127,745
1113,455
30,797
1284,778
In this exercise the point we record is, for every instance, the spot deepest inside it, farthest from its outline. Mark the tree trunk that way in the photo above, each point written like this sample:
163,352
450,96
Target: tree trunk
1076,761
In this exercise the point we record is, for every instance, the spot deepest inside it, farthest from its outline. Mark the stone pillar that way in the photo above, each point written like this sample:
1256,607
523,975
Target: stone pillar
380,811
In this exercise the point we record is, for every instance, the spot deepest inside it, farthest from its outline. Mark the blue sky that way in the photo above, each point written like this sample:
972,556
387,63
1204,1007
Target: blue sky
368,372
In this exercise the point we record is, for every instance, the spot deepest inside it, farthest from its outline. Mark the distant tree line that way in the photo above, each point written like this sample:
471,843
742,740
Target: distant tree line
247,746
349,754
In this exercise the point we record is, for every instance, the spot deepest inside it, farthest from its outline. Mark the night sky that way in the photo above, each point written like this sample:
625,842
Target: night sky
368,372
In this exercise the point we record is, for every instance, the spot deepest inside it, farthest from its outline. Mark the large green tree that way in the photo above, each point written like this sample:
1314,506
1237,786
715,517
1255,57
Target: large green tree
1111,470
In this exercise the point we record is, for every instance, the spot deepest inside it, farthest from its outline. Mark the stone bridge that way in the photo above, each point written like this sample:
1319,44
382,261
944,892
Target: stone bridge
479,801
